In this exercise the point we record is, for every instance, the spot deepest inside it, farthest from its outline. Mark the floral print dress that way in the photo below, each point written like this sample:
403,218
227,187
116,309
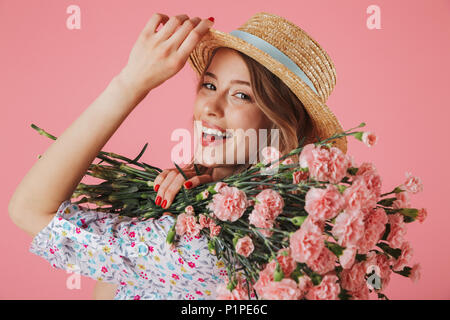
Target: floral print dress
129,252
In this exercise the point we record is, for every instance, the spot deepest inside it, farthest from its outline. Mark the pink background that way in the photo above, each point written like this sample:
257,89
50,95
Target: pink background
394,79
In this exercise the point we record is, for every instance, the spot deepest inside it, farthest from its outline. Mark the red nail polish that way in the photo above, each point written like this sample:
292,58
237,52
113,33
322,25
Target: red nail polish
211,19
158,200
164,204
156,187
188,184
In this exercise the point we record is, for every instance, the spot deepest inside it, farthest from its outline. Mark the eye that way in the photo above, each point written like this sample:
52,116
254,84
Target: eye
245,96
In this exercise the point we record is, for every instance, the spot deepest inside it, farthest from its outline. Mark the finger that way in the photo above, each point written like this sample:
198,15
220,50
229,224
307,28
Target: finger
177,38
172,191
175,21
197,180
154,22
193,38
164,185
160,178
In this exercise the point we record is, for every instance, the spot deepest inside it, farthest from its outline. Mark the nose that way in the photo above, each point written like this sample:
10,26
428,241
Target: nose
214,107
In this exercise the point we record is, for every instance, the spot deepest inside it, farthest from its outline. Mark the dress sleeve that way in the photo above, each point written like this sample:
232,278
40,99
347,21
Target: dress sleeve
100,245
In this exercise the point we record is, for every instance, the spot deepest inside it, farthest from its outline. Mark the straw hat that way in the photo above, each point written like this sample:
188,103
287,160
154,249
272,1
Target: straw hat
289,53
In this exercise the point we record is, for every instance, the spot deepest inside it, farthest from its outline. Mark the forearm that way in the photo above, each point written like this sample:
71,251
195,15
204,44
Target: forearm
55,176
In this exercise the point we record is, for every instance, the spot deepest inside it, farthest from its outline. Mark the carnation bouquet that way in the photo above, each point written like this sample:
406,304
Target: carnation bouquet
319,228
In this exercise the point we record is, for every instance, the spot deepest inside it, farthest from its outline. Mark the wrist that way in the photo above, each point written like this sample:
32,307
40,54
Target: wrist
129,86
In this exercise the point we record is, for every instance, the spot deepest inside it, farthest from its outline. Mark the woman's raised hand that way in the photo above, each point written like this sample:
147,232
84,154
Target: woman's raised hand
158,55
170,181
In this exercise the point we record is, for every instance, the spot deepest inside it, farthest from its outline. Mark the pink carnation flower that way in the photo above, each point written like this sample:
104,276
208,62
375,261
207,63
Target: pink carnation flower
383,263
398,230
189,210
219,185
322,204
421,215
349,227
259,218
374,228
180,227
192,227
306,243
324,263
287,263
324,164
415,273
238,293
214,229
402,201
361,294
347,258
272,200
369,139
304,284
372,179
328,289
298,176
228,204
286,289
412,184
186,224
244,246
358,196
204,221
353,279
265,276
404,258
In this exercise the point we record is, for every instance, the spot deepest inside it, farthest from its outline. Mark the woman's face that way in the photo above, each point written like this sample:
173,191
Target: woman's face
226,102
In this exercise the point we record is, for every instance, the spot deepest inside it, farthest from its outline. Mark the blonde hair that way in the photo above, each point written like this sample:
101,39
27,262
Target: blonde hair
278,103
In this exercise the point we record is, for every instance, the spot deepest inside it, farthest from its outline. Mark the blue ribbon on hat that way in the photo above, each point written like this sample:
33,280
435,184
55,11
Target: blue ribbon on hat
275,53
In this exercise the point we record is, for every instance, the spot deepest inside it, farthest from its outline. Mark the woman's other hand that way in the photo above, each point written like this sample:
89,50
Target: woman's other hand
158,55
170,181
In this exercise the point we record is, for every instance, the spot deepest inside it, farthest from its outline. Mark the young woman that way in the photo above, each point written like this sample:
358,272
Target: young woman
240,87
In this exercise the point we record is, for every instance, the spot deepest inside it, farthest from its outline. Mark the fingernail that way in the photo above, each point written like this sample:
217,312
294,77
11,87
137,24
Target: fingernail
188,184
211,19
158,200
164,204
156,187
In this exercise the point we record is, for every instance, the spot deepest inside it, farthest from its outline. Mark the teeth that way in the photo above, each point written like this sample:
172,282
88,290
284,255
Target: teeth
215,132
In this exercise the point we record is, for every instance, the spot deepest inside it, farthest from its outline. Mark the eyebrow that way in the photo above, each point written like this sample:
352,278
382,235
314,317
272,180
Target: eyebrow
232,81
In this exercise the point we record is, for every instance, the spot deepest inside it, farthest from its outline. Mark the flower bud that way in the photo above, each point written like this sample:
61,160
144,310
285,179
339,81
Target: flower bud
278,274
298,220
212,247
171,235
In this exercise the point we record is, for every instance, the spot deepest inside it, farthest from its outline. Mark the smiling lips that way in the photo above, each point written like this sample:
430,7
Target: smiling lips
212,134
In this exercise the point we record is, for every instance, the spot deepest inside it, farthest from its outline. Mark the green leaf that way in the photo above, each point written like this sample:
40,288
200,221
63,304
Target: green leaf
335,248
315,278
352,171
344,294
386,232
360,257
382,296
387,202
296,273
391,251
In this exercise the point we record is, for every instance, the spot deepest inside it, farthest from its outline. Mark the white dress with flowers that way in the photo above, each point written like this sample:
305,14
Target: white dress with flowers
131,253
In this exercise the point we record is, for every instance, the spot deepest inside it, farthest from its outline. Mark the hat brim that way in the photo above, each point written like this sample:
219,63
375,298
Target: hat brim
324,123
